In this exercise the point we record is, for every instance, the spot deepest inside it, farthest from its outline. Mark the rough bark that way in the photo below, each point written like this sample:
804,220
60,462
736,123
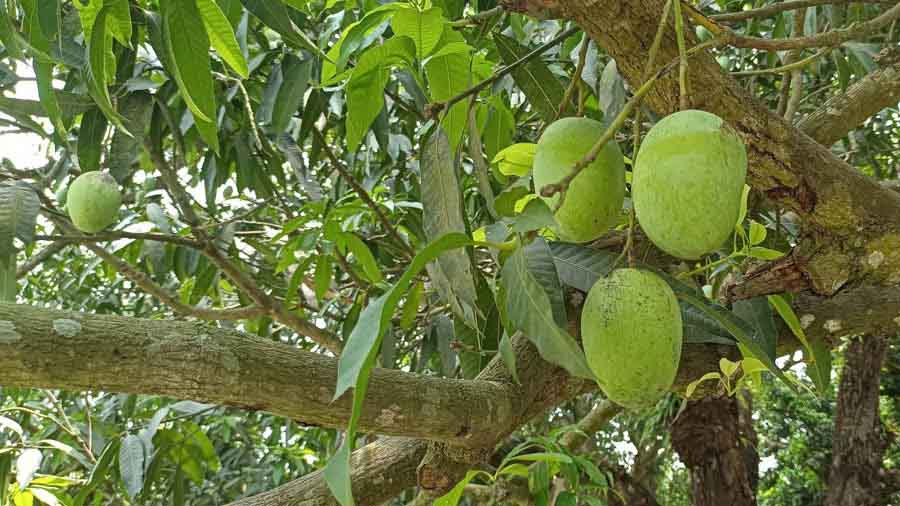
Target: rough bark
865,98
847,215
74,351
716,442
860,439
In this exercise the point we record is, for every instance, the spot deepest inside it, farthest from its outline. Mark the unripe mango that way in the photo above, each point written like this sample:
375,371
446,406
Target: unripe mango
93,201
594,198
688,181
632,332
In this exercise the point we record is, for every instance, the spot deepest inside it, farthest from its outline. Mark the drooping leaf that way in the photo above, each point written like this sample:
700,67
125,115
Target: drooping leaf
136,109
758,314
221,36
187,47
8,33
449,75
295,80
274,14
99,70
131,464
509,357
444,214
90,139
498,130
580,266
43,73
27,464
543,89
19,208
700,328
611,91
528,309
534,216
541,265
818,354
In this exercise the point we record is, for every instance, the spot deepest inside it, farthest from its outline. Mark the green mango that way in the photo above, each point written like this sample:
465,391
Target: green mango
93,201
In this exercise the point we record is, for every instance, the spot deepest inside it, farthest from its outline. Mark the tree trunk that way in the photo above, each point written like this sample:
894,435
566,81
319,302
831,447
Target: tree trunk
859,436
716,441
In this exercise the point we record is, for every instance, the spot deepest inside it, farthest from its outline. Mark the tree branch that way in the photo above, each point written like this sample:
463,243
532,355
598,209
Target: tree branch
771,10
40,257
844,112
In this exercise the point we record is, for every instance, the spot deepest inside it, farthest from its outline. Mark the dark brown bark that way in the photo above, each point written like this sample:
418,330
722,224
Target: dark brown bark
860,439
715,440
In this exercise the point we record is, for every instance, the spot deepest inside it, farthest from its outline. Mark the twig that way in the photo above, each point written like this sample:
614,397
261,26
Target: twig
682,58
832,38
576,77
69,428
40,257
113,236
477,18
799,64
434,108
771,10
796,73
362,193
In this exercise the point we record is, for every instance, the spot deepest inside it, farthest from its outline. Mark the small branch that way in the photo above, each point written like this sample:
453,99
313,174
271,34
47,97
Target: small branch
799,64
116,235
41,257
478,18
434,108
828,39
771,10
797,73
363,194
576,77
600,415
683,99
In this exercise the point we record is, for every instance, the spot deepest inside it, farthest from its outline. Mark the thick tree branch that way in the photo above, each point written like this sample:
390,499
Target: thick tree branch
844,112
75,351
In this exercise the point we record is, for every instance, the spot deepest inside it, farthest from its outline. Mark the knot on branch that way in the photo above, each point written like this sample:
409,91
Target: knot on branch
433,109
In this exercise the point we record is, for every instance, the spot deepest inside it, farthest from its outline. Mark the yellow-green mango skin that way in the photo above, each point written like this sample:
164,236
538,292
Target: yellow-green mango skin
594,199
687,183
632,333
93,201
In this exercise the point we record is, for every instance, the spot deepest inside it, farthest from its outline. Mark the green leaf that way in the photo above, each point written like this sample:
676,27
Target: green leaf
19,208
544,457
221,34
579,266
275,15
364,256
98,473
136,109
499,129
516,160
818,355
365,89
99,72
337,475
700,328
737,327
535,216
449,75
131,464
90,139
542,87
43,73
324,270
411,306
423,27
528,309
120,20
765,253
295,80
452,497
187,46
758,314
11,44
509,357
443,213
757,233
542,267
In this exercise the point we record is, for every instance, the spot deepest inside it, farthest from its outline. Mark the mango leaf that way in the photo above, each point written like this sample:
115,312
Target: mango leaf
98,72
364,256
542,87
515,160
542,267
449,75
27,464
528,309
365,89
275,15
99,471
359,356
443,214
8,33
509,356
356,36
423,27
818,355
19,207
323,273
187,46
221,36
758,314
131,464
43,73
295,80
611,91
700,328
535,216
579,266
136,109
498,130
453,497
743,332
90,139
